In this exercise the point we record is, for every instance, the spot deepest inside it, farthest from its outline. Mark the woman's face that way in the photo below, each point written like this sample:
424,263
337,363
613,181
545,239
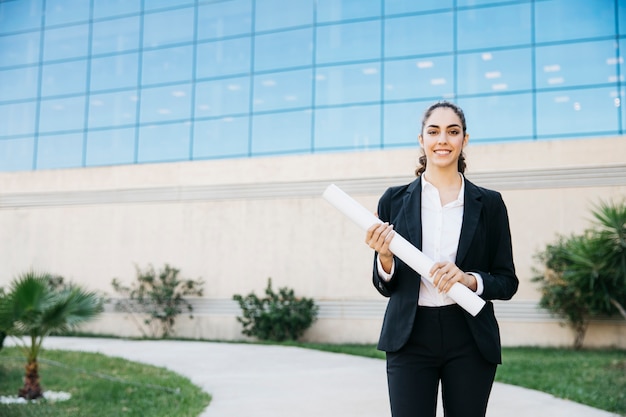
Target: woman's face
442,138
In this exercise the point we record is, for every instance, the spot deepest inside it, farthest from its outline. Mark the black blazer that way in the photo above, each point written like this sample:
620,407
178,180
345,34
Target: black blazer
484,247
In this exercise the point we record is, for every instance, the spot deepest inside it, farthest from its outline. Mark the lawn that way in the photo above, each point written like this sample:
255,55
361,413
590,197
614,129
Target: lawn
593,377
100,386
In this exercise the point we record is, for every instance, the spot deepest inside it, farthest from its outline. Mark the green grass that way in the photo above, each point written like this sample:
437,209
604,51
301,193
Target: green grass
593,377
100,386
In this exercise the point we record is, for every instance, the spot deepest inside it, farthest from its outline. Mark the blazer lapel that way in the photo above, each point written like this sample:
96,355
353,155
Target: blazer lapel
412,206
471,214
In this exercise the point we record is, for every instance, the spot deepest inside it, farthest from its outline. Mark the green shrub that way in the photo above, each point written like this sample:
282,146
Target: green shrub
278,316
159,297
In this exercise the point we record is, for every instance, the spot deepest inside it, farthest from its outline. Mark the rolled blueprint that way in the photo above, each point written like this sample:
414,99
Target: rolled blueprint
400,247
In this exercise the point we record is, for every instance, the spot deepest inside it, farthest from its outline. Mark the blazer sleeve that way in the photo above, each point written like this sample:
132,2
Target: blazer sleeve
500,281
386,288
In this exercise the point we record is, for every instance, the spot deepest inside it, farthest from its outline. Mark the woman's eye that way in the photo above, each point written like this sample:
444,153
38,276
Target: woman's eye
432,132
454,132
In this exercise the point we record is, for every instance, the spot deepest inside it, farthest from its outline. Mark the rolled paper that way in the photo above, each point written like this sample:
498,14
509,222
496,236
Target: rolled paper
401,247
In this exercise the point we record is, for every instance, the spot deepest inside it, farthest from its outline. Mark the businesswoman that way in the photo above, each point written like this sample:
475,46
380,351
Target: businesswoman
464,228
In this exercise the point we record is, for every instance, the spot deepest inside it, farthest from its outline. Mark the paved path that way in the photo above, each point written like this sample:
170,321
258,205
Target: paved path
276,381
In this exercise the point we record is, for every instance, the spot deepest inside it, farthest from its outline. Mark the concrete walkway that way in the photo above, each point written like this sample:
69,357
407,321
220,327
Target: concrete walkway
275,381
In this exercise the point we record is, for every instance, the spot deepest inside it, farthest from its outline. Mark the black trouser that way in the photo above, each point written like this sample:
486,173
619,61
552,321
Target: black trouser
441,348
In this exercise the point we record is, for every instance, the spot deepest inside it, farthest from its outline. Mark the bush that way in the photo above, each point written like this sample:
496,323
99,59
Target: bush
584,275
276,317
159,296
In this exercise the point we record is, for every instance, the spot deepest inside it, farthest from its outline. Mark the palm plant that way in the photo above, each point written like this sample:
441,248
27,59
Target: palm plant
33,309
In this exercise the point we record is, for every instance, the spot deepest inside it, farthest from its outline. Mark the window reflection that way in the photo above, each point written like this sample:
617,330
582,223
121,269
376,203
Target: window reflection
222,97
164,142
495,71
576,64
560,20
282,90
60,12
335,10
16,154
117,71
18,84
429,34
347,84
499,117
348,42
65,78
17,118
109,8
227,57
112,109
277,14
65,42
167,65
402,123
356,127
60,151
424,77
169,27
110,147
62,114
219,138
403,6
20,15
283,50
281,132
19,49
165,103
576,112
226,18
491,27
115,35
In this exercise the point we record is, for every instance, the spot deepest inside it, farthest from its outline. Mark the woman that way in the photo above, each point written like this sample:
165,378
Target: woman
464,228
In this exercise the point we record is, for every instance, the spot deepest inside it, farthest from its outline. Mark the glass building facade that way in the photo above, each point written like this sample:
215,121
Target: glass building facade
108,82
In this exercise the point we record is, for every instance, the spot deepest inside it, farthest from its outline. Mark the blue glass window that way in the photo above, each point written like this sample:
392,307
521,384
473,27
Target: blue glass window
165,103
223,97
419,78
18,84
226,18
356,127
576,112
283,50
17,118
164,142
576,64
335,10
277,14
402,123
491,27
405,36
347,84
470,3
62,114
160,4
495,71
64,78
16,154
20,15
60,151
560,20
404,6
112,109
283,90
227,57
20,49
622,17
111,146
167,65
66,42
169,27
116,71
59,12
348,42
115,35
225,137
110,8
498,117
281,132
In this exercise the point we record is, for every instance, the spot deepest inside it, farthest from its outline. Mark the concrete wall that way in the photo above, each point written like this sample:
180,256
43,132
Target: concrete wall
235,223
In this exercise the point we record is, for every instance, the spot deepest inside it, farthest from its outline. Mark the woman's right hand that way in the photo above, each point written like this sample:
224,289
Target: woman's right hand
378,238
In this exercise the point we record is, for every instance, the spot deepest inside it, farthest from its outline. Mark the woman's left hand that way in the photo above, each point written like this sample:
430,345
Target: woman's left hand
446,274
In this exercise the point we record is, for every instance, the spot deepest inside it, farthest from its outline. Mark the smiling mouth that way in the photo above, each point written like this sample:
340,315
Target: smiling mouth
443,152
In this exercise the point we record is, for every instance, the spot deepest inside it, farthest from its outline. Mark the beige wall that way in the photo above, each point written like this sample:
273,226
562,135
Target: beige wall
237,222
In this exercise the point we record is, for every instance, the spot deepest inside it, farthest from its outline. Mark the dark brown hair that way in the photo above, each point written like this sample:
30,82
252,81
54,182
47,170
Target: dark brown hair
457,110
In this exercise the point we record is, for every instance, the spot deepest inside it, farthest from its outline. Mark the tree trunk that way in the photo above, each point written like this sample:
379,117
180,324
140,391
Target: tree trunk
579,334
32,389
619,307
